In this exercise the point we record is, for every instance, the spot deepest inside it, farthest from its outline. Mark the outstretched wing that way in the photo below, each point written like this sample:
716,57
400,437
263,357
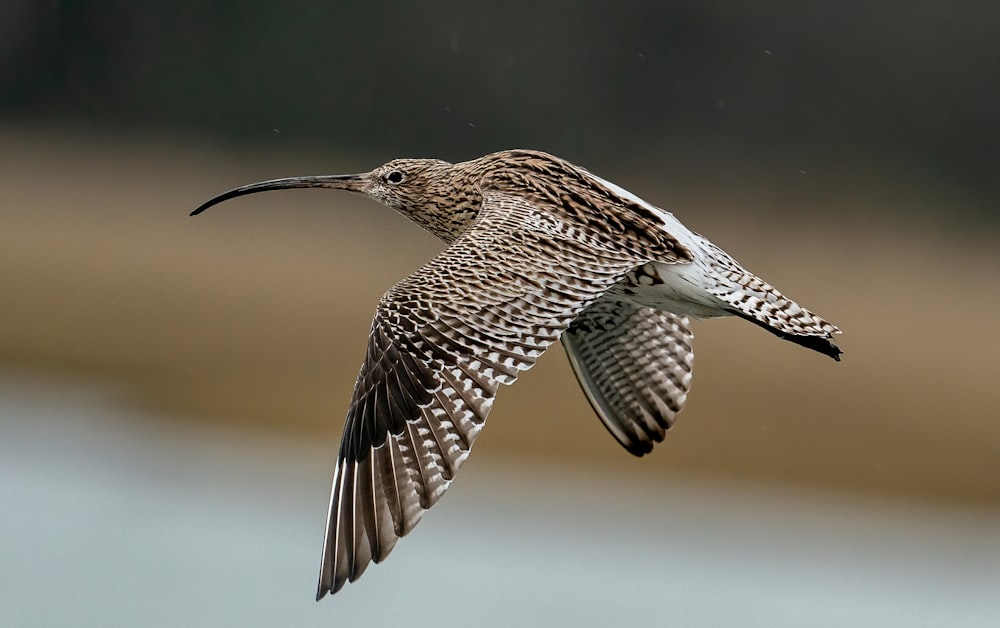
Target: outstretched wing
442,341
634,364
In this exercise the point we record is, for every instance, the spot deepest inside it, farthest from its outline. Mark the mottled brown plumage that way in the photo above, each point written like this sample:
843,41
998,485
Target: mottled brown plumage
538,250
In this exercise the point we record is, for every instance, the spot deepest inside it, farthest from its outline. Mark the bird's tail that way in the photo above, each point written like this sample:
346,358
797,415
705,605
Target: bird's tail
757,301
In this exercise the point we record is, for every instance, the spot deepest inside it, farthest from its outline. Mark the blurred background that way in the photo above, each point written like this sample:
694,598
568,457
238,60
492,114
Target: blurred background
172,389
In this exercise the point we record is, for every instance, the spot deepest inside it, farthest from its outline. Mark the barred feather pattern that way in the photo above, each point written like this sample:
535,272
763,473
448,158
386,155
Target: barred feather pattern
442,342
634,364
753,299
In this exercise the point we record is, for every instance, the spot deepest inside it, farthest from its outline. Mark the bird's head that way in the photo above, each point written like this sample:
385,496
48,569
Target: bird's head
407,185
424,190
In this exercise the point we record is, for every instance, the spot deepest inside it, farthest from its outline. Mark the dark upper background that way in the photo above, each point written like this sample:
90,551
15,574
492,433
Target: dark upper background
903,90
846,151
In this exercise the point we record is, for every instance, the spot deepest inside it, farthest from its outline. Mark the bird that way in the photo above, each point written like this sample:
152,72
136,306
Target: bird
537,250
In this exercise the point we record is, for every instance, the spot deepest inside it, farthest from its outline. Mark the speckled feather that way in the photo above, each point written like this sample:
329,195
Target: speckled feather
634,364
538,249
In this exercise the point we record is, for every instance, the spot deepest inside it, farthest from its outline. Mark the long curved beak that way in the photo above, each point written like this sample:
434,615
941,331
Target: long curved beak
349,182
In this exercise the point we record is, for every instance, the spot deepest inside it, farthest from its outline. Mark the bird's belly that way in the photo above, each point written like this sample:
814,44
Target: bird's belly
677,288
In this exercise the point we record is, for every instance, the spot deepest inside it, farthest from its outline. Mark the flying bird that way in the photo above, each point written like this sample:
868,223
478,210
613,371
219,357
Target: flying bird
538,250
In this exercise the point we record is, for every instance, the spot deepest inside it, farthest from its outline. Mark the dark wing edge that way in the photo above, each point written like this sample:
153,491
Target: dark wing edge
442,342
753,299
634,364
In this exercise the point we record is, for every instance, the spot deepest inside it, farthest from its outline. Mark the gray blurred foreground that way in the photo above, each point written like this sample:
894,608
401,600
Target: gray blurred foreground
109,521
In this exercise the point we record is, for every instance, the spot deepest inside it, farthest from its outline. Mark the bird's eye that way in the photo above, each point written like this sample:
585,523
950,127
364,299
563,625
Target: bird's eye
394,177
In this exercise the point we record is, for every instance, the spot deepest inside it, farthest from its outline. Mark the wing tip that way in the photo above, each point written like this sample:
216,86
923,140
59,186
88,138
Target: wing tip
819,342
824,345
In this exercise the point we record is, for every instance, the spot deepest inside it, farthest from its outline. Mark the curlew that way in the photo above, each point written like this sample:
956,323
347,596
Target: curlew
538,250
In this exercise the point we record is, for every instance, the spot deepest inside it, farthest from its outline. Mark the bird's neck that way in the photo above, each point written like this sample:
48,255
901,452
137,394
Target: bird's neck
450,204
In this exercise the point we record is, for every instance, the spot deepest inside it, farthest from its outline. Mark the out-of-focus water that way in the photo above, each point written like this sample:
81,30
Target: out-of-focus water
107,520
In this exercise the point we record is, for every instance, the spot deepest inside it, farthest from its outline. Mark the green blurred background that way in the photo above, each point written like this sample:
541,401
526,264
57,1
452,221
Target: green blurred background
847,152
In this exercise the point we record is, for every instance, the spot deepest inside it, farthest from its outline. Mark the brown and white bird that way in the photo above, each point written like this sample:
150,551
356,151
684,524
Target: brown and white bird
538,249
